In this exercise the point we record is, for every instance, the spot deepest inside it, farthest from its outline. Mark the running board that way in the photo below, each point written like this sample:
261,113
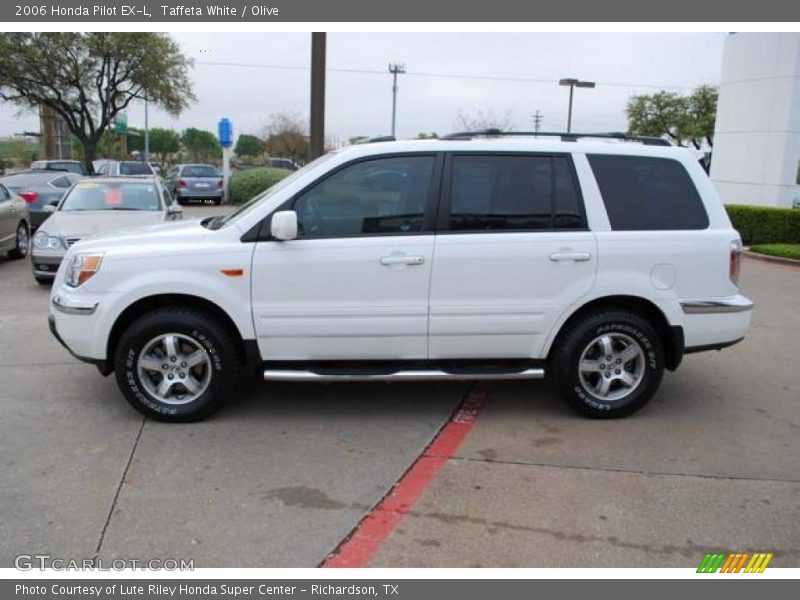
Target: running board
405,375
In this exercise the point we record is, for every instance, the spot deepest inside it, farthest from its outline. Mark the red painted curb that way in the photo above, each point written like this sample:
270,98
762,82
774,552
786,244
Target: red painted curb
372,531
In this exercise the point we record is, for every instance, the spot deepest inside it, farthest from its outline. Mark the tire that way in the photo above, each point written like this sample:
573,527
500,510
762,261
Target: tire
198,337
217,201
181,202
22,243
43,280
586,380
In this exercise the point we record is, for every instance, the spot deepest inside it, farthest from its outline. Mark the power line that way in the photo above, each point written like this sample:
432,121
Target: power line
435,75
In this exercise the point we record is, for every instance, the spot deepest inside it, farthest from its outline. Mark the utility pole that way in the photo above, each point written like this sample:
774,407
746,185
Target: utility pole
537,121
395,69
573,83
317,141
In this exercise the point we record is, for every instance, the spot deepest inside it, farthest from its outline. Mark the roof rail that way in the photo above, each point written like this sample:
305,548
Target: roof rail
565,136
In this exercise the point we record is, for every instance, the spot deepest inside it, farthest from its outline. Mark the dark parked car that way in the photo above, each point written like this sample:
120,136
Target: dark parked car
73,166
39,188
195,182
283,163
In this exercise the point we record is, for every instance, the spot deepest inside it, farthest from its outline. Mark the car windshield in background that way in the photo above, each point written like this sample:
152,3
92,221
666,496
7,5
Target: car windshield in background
200,171
92,195
135,168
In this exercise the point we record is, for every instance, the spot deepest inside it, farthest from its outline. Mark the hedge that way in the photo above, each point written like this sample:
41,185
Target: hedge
765,224
243,185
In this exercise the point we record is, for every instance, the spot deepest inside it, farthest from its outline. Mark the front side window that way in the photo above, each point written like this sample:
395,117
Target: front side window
643,193
502,193
90,195
385,195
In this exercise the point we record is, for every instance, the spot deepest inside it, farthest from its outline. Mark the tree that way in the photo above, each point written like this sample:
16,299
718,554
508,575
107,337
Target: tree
683,119
201,145
88,78
163,142
286,136
427,136
480,121
249,145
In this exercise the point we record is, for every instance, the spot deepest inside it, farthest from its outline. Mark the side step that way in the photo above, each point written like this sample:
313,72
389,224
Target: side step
401,375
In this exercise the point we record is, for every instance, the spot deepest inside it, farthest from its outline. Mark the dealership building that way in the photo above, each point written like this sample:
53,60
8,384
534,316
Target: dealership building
756,156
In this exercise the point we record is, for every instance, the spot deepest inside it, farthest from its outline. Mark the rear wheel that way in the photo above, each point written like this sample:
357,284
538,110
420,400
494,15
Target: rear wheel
608,365
22,243
176,364
217,201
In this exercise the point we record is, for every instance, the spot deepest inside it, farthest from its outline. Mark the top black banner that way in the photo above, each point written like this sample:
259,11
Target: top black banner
191,11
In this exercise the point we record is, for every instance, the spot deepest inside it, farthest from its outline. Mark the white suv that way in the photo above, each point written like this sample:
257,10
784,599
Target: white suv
598,263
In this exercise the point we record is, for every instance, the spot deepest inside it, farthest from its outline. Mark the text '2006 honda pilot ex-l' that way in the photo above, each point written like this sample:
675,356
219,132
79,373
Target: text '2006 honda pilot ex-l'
595,262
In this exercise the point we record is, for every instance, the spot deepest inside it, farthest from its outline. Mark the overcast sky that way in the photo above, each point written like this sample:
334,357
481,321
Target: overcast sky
446,73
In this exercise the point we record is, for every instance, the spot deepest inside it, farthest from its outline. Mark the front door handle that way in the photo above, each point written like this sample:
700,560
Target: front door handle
573,256
399,259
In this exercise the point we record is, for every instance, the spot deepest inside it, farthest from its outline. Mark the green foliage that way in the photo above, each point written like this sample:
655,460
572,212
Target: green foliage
201,145
243,185
683,119
163,142
765,224
249,145
19,152
427,136
781,250
88,78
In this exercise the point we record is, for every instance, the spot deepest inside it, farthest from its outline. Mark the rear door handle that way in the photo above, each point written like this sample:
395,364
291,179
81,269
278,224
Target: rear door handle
399,259
573,256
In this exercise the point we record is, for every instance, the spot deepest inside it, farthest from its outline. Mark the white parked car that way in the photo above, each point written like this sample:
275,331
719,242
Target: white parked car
596,263
97,205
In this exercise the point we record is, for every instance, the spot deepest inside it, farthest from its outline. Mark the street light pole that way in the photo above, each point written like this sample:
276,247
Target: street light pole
394,69
146,134
573,83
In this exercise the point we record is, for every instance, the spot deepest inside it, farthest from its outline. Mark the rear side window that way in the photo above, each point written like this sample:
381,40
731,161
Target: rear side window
507,193
647,194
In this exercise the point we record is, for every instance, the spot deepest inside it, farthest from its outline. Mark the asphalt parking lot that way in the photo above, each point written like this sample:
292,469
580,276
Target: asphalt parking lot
286,472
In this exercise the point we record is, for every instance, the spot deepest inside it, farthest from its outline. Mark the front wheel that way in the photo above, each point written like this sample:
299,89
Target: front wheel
176,364
22,244
608,365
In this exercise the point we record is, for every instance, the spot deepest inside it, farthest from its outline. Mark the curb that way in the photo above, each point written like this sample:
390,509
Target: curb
773,259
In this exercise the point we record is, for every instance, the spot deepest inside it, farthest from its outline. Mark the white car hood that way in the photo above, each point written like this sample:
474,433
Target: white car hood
80,224
156,238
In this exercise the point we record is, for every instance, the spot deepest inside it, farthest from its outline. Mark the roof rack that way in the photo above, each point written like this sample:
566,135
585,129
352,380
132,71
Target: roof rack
565,136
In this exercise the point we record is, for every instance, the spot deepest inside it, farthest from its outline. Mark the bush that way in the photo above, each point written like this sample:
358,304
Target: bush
765,224
243,185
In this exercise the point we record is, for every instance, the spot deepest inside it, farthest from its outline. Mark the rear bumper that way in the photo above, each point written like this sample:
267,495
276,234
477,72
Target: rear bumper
715,323
199,194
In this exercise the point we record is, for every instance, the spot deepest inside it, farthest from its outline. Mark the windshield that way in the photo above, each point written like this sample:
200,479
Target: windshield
200,171
92,195
135,168
269,192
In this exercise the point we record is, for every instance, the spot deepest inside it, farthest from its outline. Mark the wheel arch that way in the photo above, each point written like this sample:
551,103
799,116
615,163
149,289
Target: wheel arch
152,302
671,335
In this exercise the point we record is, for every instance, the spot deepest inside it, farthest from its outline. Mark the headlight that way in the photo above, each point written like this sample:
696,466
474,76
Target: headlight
81,268
44,241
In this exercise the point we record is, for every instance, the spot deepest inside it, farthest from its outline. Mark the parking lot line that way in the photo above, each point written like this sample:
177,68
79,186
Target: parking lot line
363,542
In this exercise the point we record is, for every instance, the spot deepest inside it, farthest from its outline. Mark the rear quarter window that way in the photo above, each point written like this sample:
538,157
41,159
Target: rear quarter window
643,193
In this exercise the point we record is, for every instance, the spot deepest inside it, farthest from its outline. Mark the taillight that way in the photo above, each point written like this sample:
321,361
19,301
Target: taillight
28,196
182,183
219,185
735,261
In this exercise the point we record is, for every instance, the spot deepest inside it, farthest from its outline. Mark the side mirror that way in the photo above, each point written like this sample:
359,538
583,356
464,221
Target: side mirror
50,208
284,225
175,211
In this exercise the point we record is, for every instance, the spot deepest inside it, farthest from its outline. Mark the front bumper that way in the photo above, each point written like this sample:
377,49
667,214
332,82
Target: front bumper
102,365
45,266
